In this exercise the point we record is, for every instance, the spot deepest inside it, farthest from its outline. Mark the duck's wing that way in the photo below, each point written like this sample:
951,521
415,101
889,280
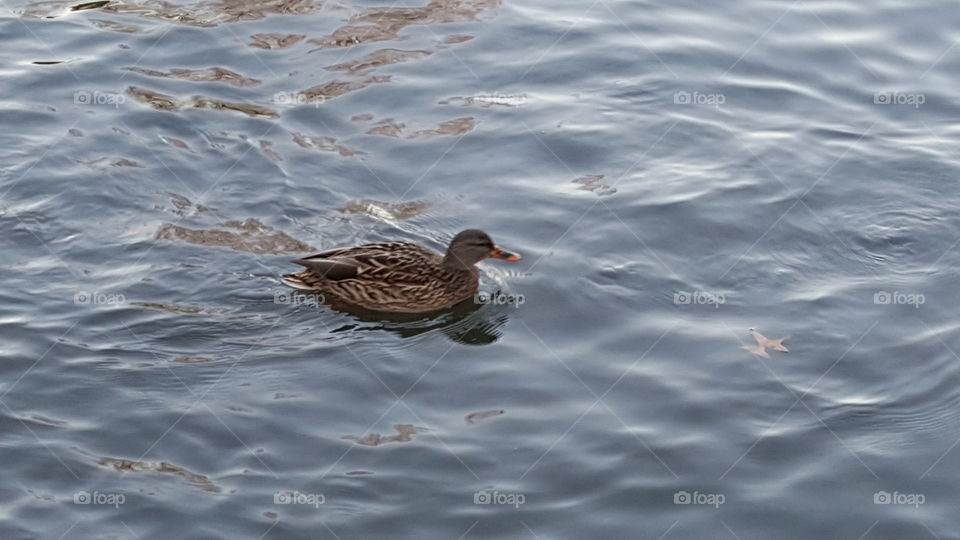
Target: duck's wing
397,261
330,268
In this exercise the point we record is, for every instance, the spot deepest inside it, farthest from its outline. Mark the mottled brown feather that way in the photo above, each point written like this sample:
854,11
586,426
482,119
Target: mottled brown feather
390,276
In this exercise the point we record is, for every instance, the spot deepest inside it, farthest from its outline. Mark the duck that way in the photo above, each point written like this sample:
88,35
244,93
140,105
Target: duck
399,277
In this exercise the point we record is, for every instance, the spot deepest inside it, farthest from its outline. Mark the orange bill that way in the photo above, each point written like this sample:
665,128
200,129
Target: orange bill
499,253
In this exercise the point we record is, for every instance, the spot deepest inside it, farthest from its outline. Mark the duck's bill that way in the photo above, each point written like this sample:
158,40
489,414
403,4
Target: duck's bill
504,255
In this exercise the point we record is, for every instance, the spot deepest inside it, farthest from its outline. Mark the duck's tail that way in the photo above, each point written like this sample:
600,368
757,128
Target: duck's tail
295,281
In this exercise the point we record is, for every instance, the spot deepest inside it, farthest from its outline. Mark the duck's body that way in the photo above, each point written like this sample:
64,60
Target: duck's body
398,276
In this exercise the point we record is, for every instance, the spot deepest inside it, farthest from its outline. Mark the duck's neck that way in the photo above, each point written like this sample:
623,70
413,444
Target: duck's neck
454,263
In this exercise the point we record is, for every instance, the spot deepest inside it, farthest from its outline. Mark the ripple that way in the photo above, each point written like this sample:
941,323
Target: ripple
192,478
212,13
333,89
106,162
323,144
388,127
381,57
486,101
383,24
405,433
249,235
214,74
595,184
473,418
165,102
276,41
114,26
387,211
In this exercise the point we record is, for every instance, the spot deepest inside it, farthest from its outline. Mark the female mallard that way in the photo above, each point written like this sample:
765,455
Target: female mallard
399,276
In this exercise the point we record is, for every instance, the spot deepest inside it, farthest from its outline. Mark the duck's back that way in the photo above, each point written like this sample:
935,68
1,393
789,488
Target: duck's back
388,276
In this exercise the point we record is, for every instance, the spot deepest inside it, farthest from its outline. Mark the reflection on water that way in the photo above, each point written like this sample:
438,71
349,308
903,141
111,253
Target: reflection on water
89,5
115,26
105,162
248,235
126,465
211,13
183,206
478,330
486,101
468,322
266,148
595,183
329,90
382,57
165,102
323,144
381,24
173,141
191,360
276,41
178,309
388,127
405,433
387,211
473,418
214,74
154,99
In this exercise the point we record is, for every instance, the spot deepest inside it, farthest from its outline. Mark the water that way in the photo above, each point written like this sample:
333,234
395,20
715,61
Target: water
675,174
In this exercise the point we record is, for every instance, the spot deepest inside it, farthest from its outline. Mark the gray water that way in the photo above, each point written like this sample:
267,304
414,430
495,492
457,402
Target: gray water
675,174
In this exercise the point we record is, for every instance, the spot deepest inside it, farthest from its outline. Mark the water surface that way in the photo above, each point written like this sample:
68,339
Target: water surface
674,173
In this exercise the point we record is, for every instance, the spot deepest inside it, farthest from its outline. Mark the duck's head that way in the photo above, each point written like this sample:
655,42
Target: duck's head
472,246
